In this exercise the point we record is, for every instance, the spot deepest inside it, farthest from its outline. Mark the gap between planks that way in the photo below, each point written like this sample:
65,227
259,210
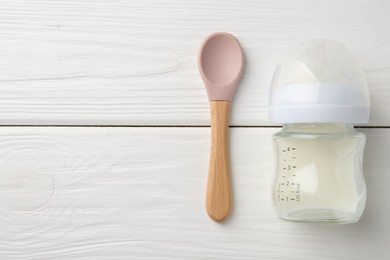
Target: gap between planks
173,126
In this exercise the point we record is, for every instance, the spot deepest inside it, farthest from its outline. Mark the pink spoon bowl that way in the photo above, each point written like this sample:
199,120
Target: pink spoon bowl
221,63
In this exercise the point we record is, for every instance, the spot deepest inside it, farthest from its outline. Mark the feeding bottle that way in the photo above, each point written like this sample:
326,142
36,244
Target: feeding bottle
318,92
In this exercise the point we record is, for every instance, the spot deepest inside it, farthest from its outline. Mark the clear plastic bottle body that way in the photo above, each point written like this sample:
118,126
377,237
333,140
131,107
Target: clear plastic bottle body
319,175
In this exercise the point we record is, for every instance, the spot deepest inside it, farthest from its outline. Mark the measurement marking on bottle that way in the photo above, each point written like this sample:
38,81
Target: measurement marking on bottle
288,187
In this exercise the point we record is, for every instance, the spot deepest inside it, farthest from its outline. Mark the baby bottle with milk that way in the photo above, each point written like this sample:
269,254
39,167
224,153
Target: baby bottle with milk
318,92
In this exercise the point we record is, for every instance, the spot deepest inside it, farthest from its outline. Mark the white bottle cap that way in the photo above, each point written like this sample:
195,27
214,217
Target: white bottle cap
319,81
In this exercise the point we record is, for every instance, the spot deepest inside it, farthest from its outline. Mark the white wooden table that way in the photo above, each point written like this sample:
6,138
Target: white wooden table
72,186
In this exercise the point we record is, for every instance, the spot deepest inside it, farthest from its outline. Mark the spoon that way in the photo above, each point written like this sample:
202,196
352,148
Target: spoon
221,62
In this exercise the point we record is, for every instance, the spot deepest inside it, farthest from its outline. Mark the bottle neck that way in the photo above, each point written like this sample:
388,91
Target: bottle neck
319,127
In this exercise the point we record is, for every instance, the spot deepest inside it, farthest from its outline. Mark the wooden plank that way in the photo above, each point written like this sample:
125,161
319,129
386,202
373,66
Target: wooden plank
138,193
134,62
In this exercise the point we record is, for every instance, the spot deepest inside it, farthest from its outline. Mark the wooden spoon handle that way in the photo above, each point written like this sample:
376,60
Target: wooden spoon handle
218,194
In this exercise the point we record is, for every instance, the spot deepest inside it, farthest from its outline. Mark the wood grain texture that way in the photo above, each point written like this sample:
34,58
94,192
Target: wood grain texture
218,194
134,62
138,193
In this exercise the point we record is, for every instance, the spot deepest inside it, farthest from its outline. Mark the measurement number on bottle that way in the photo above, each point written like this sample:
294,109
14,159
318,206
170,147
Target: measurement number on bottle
288,187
